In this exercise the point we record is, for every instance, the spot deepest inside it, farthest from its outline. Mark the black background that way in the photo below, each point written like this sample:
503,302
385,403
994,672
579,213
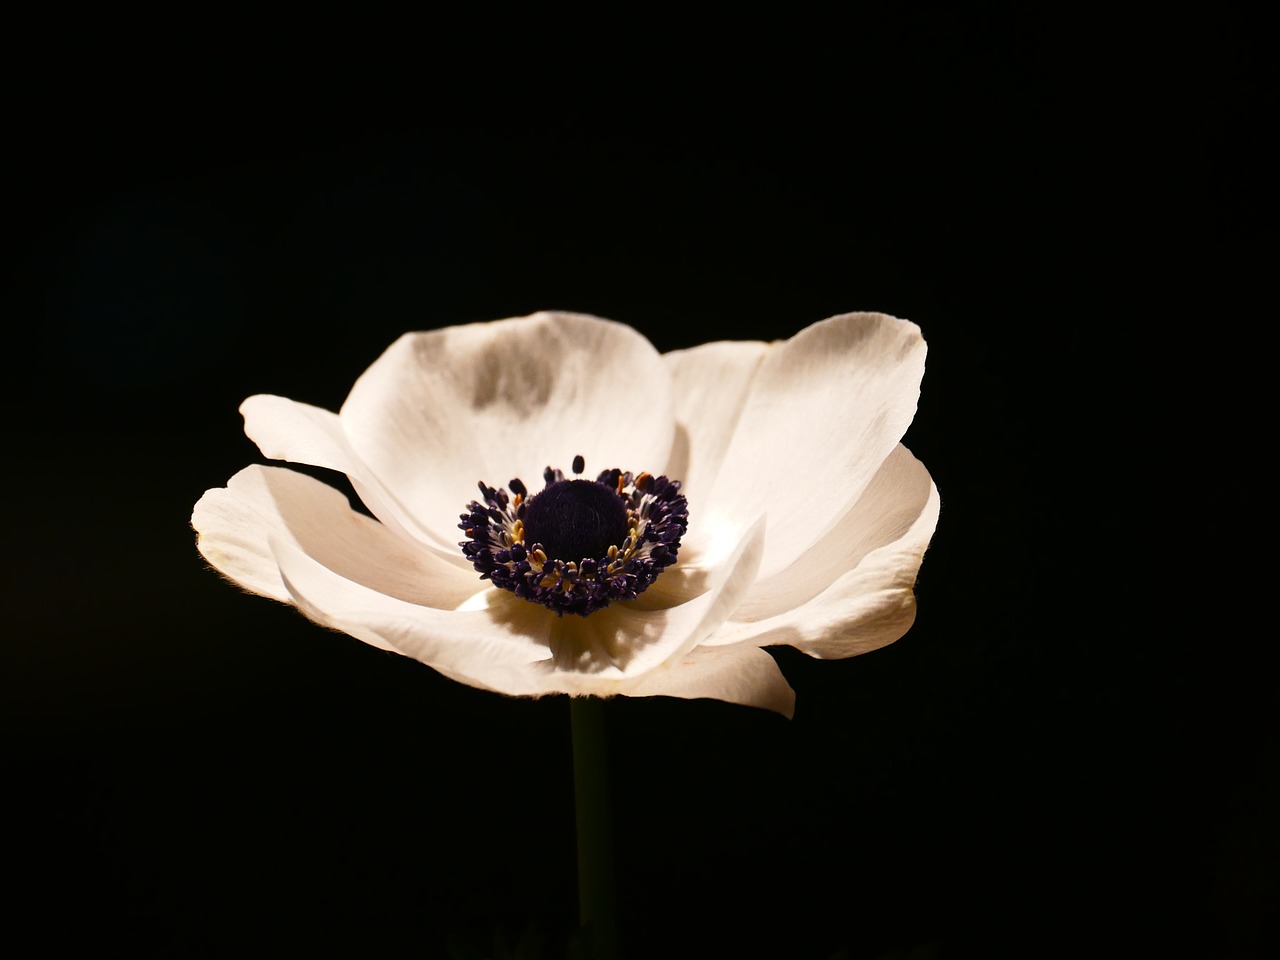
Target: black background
1073,752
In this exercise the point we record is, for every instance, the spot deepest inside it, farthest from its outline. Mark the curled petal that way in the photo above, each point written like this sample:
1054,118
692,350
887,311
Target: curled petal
300,433
441,410
469,644
824,411
890,508
236,524
868,607
742,674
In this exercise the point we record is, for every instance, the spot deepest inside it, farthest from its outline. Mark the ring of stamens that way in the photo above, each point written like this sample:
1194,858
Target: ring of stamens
629,541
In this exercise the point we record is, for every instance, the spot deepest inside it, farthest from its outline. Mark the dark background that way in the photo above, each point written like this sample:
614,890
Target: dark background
1072,753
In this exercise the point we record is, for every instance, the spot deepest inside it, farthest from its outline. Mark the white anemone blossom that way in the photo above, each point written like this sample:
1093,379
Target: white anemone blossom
739,495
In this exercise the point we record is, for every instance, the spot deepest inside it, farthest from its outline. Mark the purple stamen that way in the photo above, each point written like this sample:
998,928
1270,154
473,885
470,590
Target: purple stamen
577,545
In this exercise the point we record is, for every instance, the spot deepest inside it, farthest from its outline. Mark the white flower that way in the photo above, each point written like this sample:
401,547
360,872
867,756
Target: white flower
807,519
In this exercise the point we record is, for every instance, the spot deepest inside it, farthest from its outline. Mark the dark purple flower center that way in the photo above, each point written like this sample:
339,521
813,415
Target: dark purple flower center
576,546
573,519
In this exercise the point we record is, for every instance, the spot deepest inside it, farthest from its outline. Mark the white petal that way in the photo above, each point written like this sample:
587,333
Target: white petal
824,411
710,383
889,509
739,674
442,410
300,433
236,523
510,645
868,607
475,646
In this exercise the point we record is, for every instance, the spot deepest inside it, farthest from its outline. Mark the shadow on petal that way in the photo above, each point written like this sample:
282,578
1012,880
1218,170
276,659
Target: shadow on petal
681,455
622,641
608,640
677,584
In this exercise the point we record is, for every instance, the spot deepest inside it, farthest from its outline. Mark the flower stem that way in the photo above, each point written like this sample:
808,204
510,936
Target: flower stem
597,903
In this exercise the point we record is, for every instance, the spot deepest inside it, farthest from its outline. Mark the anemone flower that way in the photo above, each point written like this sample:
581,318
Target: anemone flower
645,524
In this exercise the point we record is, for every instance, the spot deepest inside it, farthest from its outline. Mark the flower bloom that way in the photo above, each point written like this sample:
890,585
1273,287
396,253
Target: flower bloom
740,494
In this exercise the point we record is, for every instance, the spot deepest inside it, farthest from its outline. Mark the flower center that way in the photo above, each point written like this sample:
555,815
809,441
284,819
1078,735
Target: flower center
573,519
577,545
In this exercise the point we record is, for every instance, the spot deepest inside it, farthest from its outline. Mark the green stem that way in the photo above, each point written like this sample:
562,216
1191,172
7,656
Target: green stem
597,902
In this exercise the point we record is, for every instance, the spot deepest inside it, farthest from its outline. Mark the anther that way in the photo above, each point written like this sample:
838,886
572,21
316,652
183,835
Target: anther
579,464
